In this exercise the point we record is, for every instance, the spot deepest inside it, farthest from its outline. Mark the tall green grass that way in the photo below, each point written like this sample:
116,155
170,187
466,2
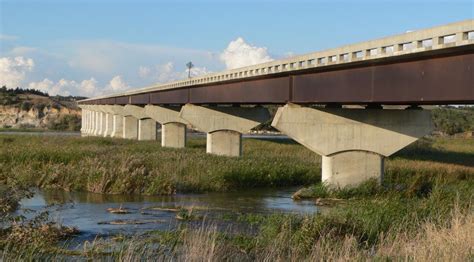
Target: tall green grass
121,166
422,211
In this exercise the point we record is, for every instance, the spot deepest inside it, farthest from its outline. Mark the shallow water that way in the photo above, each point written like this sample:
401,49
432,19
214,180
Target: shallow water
88,211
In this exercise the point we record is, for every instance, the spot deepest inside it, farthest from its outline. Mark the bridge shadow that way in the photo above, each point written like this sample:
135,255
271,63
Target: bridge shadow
283,141
436,155
421,151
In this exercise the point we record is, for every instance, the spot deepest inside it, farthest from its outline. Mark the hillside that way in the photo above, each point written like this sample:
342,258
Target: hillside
25,108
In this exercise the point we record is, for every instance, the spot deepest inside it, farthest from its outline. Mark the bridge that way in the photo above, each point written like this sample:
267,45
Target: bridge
316,94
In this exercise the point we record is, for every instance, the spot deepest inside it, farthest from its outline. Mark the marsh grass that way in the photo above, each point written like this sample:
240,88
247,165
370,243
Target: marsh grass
422,211
120,166
285,238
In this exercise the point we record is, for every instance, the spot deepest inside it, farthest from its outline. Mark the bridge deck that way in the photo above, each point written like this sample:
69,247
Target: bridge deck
432,66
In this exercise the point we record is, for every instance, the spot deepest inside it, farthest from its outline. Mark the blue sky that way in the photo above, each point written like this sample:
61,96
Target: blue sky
89,47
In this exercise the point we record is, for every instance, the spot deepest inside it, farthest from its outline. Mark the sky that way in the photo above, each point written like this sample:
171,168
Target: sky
94,47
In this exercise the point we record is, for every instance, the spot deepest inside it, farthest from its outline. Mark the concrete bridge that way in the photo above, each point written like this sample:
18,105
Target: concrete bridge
426,67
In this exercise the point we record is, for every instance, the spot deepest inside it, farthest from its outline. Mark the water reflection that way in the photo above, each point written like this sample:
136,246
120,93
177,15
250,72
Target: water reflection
88,211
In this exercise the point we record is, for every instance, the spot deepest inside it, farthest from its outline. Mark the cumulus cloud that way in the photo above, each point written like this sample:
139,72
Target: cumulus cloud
66,87
13,70
167,72
117,84
144,71
106,58
239,54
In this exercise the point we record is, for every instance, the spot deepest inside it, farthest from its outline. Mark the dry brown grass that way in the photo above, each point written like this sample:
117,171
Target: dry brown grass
452,242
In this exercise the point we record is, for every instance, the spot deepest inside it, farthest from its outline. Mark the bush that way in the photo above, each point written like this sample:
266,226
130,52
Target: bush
66,123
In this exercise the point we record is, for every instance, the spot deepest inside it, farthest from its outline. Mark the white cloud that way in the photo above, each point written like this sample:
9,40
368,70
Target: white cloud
4,37
88,87
66,87
13,70
239,54
117,84
167,72
107,58
46,86
22,50
144,71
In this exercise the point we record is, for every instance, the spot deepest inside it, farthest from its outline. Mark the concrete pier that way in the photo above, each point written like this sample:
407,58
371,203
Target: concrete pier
351,168
146,126
173,135
130,127
117,114
353,142
99,119
173,128
225,143
92,123
84,119
117,128
146,129
224,125
108,121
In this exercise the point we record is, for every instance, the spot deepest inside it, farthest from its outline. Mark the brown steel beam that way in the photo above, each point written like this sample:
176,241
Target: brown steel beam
435,78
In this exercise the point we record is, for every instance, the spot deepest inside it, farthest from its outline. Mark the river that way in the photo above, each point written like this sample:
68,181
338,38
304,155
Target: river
88,211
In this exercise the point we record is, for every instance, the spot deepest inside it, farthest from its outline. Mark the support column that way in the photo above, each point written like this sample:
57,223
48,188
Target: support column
173,135
83,120
83,112
89,122
225,143
224,125
146,129
353,142
351,168
108,125
98,127
92,123
114,120
86,121
130,127
146,125
117,129
173,128
103,123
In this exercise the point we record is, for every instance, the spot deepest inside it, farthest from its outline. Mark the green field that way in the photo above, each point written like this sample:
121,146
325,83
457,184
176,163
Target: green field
422,211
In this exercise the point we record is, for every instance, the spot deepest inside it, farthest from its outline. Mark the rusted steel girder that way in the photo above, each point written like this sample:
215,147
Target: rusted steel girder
430,79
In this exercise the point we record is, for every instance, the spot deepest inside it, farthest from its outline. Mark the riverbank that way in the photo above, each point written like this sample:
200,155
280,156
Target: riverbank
423,210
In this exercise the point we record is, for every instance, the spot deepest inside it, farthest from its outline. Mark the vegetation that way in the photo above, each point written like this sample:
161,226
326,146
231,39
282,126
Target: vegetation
66,123
450,120
11,96
422,211
115,166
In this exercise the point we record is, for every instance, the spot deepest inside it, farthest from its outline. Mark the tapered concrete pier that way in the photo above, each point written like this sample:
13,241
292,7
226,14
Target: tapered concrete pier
173,128
352,142
224,125
146,129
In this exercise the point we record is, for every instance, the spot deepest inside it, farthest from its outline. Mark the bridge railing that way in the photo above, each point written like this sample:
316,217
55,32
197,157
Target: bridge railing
446,36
